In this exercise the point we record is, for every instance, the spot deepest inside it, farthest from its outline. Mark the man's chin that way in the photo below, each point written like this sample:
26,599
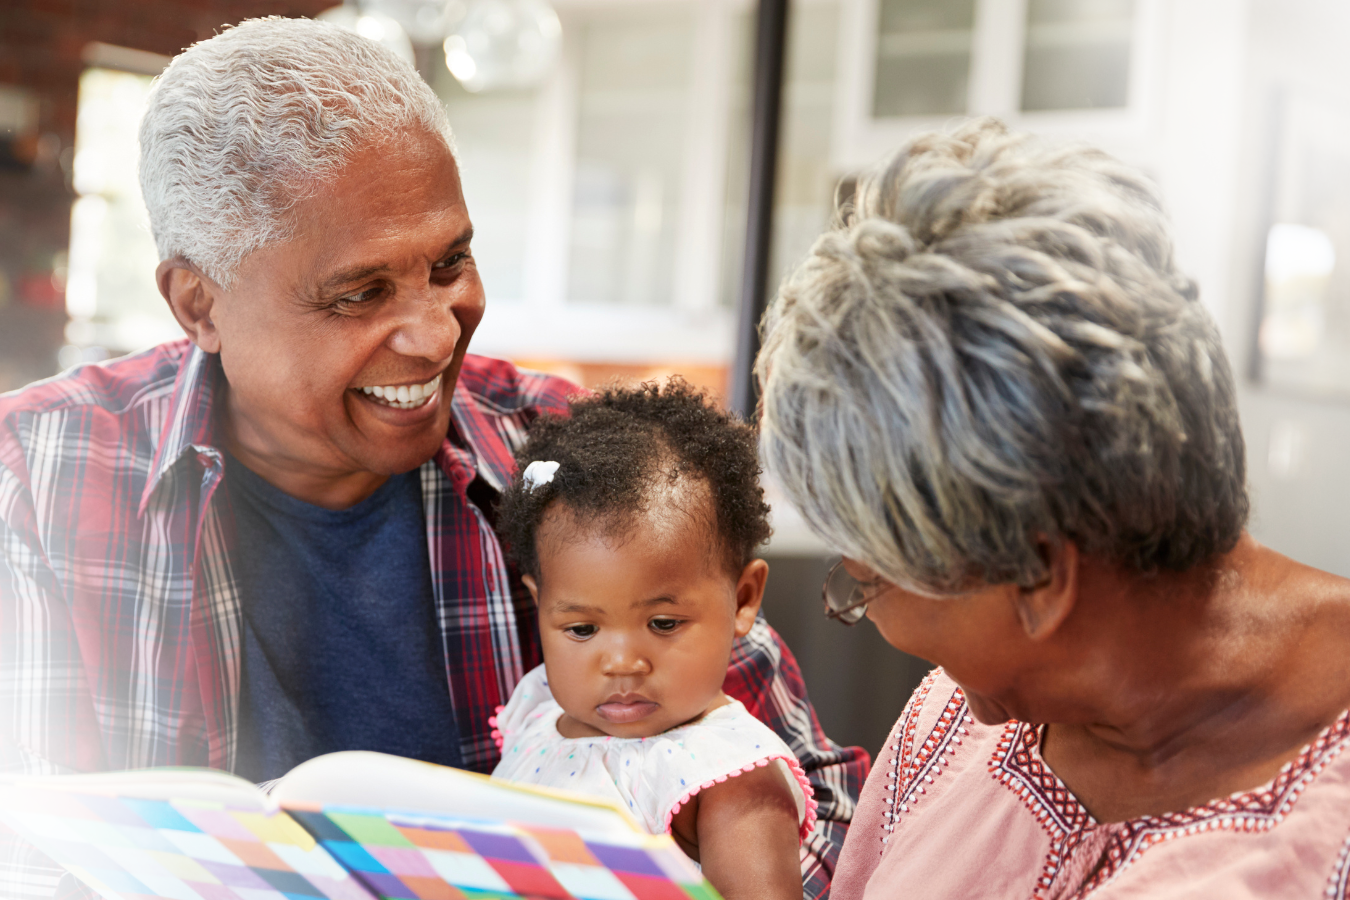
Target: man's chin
400,451
405,456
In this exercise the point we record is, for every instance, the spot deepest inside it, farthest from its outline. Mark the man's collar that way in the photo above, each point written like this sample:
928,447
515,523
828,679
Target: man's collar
189,423
477,440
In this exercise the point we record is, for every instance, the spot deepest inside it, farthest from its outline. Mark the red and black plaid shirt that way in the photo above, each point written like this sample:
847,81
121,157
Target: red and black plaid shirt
120,612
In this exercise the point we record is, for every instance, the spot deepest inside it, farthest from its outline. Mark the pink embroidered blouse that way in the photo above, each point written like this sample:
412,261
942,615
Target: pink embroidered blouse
956,809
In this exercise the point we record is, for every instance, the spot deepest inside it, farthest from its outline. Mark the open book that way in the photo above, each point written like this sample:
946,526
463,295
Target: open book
346,826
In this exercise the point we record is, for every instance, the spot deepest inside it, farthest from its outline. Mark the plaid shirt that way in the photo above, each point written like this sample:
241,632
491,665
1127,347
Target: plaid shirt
120,612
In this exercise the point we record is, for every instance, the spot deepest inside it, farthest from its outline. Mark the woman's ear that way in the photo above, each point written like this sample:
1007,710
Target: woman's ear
1044,606
191,297
750,594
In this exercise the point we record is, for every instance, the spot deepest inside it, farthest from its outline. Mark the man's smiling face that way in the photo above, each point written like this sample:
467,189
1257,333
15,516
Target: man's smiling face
341,346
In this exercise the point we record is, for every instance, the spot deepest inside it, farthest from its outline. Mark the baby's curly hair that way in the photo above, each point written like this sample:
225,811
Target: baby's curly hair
617,447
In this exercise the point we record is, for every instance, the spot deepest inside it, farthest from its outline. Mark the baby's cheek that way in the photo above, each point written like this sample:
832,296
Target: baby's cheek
561,680
706,670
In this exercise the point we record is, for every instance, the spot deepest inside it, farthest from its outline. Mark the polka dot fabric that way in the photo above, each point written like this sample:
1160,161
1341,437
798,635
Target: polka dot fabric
650,777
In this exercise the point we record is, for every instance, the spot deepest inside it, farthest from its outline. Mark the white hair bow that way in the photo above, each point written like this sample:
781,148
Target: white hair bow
538,473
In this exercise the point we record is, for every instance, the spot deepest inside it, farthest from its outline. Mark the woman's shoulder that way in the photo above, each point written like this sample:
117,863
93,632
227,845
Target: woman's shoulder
933,704
1302,615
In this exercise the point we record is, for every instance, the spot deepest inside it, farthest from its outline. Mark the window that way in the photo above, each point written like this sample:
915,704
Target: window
611,201
1081,68
1077,54
1303,341
111,296
1074,54
923,57
634,114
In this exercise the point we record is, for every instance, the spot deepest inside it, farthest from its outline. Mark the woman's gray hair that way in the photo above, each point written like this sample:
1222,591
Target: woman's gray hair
242,126
993,348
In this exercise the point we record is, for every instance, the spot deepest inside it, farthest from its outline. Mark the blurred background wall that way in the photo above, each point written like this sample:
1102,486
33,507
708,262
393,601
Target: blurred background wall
609,198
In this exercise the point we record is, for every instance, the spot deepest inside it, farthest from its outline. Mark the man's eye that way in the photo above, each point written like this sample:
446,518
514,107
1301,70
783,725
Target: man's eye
581,632
451,261
351,301
664,626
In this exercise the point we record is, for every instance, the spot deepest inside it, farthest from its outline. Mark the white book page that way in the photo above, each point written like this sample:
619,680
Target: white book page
206,785
376,780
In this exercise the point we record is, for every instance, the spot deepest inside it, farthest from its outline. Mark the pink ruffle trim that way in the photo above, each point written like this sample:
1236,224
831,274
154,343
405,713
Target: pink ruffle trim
808,820
497,737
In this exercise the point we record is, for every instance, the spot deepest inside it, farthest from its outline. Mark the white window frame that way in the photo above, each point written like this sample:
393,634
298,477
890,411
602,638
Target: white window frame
995,86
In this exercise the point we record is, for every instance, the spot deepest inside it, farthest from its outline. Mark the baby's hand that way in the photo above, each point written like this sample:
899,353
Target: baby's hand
744,834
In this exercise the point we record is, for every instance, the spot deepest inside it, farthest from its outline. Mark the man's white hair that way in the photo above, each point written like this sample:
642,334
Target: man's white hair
242,126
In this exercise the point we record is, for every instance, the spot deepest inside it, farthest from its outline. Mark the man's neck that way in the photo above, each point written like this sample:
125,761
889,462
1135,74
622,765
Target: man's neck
326,490
329,488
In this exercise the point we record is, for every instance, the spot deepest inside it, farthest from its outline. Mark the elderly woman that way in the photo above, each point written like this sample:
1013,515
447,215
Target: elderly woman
990,388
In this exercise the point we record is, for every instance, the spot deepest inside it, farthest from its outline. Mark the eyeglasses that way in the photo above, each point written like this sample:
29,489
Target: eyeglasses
844,596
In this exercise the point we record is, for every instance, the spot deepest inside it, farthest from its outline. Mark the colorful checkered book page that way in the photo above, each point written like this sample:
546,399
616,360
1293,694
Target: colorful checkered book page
348,825
420,857
181,834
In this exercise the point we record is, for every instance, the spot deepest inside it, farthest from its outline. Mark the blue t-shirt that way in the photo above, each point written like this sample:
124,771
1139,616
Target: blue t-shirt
341,650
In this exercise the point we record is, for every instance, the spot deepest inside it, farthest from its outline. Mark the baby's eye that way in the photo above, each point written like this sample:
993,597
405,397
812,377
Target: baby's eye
664,626
580,632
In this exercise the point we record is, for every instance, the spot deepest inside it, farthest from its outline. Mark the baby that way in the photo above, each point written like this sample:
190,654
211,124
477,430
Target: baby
634,522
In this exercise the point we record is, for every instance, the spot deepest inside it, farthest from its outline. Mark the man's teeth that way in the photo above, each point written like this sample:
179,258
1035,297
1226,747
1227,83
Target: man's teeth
404,396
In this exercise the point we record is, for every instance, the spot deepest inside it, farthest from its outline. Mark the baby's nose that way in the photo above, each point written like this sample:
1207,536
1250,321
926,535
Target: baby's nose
621,662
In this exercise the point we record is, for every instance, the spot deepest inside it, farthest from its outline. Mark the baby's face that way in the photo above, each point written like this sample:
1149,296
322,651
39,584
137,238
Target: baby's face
637,627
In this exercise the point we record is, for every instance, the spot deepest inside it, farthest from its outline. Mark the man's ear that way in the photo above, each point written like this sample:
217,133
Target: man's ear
750,594
191,297
1044,606
532,585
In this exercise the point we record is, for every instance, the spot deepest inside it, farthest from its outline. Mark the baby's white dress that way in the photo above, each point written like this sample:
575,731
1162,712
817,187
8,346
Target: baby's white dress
651,777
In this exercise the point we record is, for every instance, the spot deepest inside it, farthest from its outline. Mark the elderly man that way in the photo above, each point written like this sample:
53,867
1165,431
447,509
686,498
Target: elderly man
274,540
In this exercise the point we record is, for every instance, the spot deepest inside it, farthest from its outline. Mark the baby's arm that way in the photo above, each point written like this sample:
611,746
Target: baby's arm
744,834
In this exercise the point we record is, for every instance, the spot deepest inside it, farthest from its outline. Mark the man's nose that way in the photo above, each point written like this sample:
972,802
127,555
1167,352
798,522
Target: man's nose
428,326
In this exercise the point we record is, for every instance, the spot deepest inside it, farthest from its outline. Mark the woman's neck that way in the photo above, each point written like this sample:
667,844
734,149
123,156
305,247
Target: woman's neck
1182,687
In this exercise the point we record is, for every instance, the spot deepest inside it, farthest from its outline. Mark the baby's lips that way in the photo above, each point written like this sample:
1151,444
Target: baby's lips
623,712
